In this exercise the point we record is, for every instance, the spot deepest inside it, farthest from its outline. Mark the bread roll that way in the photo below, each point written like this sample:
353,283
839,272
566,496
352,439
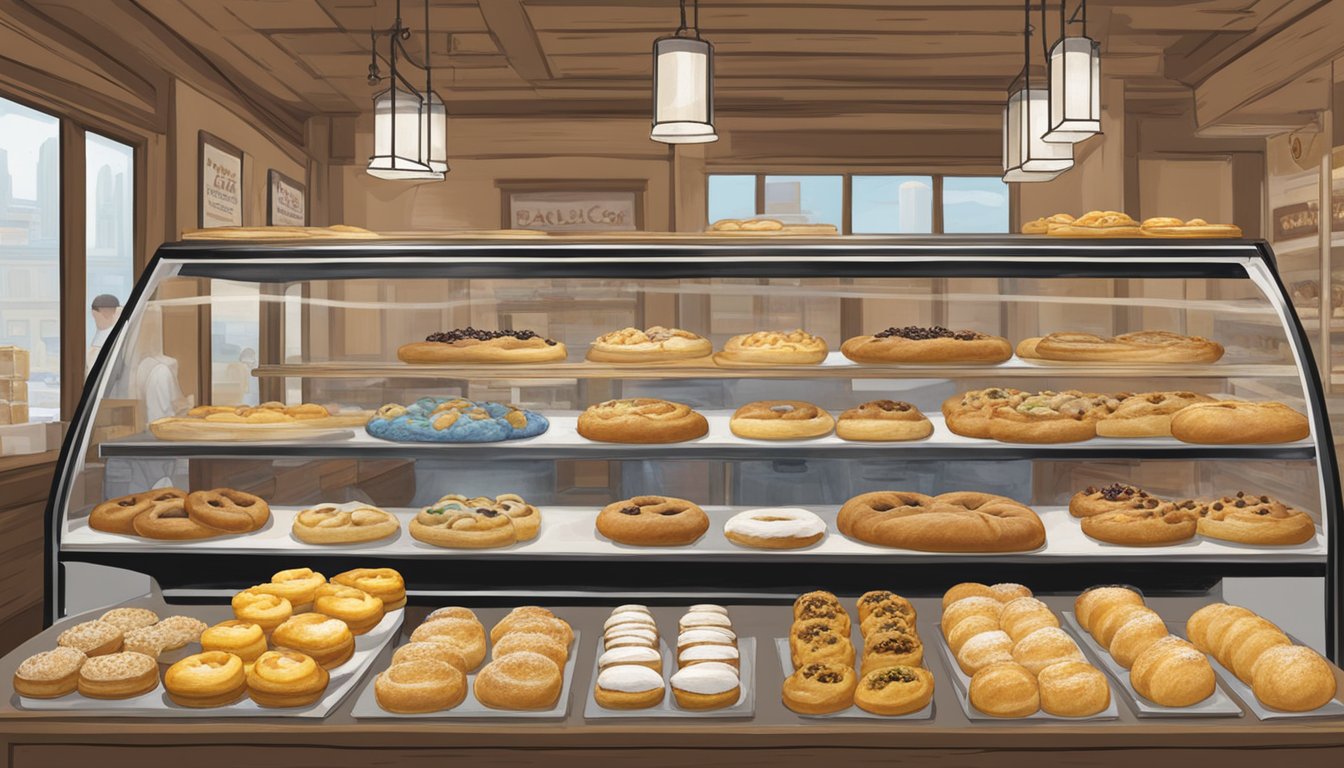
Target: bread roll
1109,619
971,606
1135,636
1045,647
984,649
966,629
1005,689
1172,673
1242,657
1293,678
1025,615
1086,604
1073,689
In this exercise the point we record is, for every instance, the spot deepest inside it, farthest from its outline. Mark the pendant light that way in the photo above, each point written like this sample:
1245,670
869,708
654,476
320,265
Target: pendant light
409,126
1026,158
1075,82
683,86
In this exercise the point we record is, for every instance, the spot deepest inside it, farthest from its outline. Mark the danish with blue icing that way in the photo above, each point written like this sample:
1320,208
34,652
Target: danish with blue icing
454,420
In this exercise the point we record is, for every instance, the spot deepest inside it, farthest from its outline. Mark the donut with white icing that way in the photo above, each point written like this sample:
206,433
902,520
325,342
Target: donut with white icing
644,657
712,685
775,528
628,686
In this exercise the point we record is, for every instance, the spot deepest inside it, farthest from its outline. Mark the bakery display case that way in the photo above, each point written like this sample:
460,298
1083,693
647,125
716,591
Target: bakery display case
678,422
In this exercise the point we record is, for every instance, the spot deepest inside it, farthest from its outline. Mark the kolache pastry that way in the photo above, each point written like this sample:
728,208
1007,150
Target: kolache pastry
630,676
1148,414
350,523
207,679
780,420
764,348
386,584
243,639
471,345
641,420
1282,675
1135,347
656,344
358,609
328,641
883,421
481,522
171,514
1168,226
820,688
913,344
1239,422
454,420
962,521
122,675
49,674
894,690
652,521
775,528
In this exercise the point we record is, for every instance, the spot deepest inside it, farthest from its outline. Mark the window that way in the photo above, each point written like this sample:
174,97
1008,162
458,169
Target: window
30,248
109,211
878,204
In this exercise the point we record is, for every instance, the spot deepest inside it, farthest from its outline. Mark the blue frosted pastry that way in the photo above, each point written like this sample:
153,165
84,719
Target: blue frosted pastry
454,420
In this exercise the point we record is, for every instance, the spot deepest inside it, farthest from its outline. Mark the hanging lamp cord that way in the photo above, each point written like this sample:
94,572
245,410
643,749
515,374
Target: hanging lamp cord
1026,44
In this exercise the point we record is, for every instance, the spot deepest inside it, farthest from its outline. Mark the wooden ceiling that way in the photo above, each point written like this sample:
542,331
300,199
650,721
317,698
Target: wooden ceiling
806,57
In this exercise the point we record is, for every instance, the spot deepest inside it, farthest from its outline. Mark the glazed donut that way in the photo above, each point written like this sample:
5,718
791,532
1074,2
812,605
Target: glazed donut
333,524
261,608
49,674
780,420
117,515
1073,689
431,649
628,686
168,520
209,679
94,638
243,639
127,619
286,679
897,690
1005,689
225,509
951,522
641,420
328,641
521,680
357,608
424,685
819,688
775,528
465,635
118,676
653,521
385,584
297,585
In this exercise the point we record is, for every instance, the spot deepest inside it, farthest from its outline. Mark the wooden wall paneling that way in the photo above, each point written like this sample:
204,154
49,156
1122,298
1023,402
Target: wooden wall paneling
689,182
23,494
73,267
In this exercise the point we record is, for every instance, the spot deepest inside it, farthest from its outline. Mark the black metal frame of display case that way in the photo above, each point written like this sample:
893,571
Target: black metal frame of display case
770,578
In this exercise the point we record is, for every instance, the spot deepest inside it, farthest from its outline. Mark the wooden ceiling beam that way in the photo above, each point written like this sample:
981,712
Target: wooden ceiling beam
512,30
1193,63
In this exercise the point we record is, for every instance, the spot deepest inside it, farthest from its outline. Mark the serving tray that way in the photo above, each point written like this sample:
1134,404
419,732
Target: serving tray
744,708
853,712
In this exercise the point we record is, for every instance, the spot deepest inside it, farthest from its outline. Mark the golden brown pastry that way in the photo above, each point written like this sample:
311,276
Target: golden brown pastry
968,414
1073,689
357,608
641,420
118,515
1115,497
1248,519
652,345
1172,673
94,638
819,688
706,686
914,344
335,524
966,629
522,680
433,650
385,584
892,691
884,602
1045,647
1147,414
1025,615
297,585
892,649
470,345
465,635
328,641
819,640
780,420
49,674
1098,597
1293,678
796,347
629,686
962,521
1136,347
243,639
1005,689
121,675
985,649
261,608
653,521
286,679
225,509
1136,635
209,679
423,685
1163,524
883,421
1237,422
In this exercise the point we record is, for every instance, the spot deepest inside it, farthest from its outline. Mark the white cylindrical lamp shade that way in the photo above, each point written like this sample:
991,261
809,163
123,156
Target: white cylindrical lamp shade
1075,90
397,128
1025,156
434,134
683,91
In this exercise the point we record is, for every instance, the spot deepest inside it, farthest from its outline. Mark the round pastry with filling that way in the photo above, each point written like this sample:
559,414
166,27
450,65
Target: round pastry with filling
641,420
1249,519
883,421
914,344
895,690
819,688
1115,497
656,344
653,521
282,679
471,345
796,347
780,420
208,679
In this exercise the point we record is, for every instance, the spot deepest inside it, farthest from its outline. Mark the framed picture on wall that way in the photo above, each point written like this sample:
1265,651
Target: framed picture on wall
286,201
573,206
220,199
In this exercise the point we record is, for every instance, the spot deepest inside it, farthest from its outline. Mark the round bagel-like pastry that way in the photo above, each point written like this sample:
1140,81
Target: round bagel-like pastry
333,524
984,649
1136,347
966,629
1108,620
471,345
883,421
895,690
422,685
1172,673
967,589
208,679
1025,615
1164,524
357,608
959,611
967,414
49,674
177,631
1238,422
629,686
1005,689
462,634
535,642
818,640
914,344
1112,498
951,522
1136,635
169,521
1292,678
1044,647
775,528
1245,654
701,654
551,626
652,345
796,347
1147,414
433,650
706,686
1073,689
225,509
891,649
385,584
297,585
127,619
280,679
455,524
262,608
633,655
1096,597
820,689
1247,519
328,641
121,675
243,639
653,521
820,605
780,420
641,420
118,515
522,680
884,602
94,638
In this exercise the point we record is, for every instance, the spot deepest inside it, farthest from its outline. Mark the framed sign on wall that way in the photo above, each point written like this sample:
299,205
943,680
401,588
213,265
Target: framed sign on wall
573,206
286,201
220,199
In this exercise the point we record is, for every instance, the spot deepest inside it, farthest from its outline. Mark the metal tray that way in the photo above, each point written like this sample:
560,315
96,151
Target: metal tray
852,713
744,708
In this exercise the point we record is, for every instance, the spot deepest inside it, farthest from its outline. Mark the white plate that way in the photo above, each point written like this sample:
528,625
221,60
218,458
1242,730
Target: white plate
366,706
744,708
1217,705
963,686
853,713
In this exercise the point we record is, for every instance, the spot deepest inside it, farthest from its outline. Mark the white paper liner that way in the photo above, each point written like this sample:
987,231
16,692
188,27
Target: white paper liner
366,705
1217,705
667,708
963,686
1332,708
853,712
